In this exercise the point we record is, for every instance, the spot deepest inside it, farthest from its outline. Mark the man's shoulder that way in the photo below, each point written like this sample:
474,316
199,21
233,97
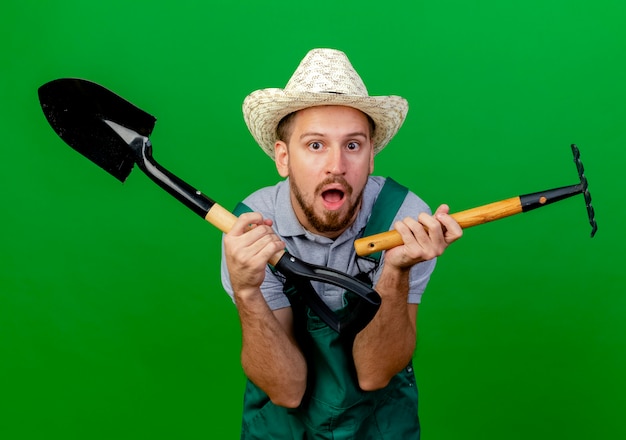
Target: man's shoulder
412,204
266,198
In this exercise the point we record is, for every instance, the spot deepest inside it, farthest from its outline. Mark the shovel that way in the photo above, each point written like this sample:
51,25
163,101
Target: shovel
114,134
495,211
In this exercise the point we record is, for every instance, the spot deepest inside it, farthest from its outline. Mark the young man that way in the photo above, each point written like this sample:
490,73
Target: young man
323,131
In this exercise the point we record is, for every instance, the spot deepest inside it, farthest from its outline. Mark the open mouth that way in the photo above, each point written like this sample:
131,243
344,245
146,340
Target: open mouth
333,199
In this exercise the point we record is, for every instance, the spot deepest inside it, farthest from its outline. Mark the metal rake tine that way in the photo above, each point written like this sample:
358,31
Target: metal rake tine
584,184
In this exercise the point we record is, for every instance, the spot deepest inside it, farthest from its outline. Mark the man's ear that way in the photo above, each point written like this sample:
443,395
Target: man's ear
372,159
281,157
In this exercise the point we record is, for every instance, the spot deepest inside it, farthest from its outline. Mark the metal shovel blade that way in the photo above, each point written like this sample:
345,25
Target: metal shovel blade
114,134
77,110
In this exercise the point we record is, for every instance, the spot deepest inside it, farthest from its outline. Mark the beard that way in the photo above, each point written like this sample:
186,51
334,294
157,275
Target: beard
327,221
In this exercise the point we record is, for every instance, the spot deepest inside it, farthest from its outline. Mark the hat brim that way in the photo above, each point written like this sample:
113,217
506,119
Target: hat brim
263,110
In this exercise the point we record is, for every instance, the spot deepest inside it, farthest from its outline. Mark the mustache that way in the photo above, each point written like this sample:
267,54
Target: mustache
335,179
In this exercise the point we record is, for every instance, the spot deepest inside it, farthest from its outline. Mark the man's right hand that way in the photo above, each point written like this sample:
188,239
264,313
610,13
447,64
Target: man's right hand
248,247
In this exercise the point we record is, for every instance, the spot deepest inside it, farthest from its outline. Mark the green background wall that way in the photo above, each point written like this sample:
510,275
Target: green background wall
113,322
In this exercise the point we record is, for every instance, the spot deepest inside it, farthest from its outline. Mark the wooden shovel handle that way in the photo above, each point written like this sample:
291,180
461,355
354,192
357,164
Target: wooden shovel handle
224,220
221,218
471,217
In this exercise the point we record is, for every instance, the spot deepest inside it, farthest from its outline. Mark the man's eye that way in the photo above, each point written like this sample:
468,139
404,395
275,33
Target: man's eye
315,145
353,146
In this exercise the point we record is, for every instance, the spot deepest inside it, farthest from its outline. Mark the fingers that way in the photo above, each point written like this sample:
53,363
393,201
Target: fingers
442,222
248,221
452,230
417,243
252,235
249,229
426,237
248,247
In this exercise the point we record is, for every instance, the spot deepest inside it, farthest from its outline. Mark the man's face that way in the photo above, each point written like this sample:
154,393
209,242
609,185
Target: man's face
328,158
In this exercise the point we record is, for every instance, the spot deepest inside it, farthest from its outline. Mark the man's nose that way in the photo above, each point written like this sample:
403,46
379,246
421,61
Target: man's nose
336,161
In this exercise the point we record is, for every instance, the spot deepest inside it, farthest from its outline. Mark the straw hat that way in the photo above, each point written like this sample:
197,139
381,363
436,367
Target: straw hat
324,77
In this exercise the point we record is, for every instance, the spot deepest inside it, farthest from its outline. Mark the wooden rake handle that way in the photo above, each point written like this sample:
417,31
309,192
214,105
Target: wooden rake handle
466,219
475,216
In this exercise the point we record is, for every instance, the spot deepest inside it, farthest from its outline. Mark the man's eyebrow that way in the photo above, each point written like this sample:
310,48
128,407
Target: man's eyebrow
311,133
357,134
